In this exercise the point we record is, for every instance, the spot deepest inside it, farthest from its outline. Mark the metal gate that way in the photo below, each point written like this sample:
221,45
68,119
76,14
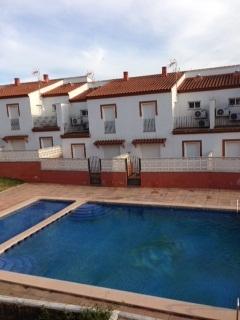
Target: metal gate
135,164
94,165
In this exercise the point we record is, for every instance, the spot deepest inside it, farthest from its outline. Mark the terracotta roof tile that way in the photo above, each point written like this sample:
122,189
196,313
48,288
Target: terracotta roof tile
23,89
108,142
63,89
211,82
83,96
148,141
18,137
136,85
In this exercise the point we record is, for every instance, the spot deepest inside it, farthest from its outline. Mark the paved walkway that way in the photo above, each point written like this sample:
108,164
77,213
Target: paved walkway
221,199
210,198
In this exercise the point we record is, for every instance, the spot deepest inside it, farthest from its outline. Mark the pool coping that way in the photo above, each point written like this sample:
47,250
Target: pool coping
118,297
105,294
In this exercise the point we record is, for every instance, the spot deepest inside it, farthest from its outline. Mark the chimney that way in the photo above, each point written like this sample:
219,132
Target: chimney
45,78
17,81
164,71
125,75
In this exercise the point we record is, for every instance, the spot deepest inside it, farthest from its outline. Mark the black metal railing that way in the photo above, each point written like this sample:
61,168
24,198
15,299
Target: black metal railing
15,124
183,122
109,127
149,125
226,122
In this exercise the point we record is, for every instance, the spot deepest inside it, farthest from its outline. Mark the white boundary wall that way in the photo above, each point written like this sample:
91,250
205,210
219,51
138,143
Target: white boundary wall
65,164
51,152
191,164
35,155
15,156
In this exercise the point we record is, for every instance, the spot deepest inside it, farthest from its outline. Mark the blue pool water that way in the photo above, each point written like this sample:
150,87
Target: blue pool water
26,217
172,253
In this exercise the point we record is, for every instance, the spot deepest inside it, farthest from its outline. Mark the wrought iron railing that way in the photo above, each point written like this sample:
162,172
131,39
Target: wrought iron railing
226,122
79,126
182,122
44,121
109,127
15,124
149,125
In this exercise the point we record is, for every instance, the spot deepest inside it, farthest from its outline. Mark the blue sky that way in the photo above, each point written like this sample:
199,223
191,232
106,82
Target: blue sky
72,37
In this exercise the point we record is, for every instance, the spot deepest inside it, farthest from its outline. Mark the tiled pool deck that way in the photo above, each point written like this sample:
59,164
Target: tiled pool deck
207,198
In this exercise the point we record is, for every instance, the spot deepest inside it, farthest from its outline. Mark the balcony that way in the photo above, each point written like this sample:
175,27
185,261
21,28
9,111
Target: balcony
149,125
223,122
109,127
45,123
189,122
76,127
15,124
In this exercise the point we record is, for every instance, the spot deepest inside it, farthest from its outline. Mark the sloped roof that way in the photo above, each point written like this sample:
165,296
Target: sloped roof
22,89
63,90
211,82
156,83
83,96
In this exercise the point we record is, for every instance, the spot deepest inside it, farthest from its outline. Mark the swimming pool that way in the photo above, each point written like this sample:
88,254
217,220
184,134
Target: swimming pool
179,254
26,217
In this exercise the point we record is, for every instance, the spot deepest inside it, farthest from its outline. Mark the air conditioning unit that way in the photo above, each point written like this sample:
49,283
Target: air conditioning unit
234,116
200,114
222,112
75,121
203,123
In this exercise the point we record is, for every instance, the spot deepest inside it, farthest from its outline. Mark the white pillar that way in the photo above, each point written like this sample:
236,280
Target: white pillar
212,107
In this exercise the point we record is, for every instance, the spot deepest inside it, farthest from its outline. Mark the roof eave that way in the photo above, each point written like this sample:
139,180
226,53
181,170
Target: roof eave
128,94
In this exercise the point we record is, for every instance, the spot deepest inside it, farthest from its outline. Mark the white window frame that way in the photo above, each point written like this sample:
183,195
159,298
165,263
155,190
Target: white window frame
194,104
236,101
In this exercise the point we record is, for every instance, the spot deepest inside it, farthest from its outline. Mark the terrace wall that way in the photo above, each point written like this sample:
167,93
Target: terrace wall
217,180
56,172
31,172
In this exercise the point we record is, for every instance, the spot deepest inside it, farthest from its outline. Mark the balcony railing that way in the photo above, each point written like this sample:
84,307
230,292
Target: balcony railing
77,125
45,121
109,127
226,122
149,125
15,124
183,122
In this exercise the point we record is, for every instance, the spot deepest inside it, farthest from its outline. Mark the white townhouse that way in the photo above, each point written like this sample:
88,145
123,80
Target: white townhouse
30,118
165,115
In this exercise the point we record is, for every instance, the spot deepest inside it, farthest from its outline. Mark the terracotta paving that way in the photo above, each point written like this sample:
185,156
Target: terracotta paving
220,199
190,197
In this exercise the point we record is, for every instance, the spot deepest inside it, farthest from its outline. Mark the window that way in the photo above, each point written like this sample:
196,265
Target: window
45,142
111,151
150,151
84,113
78,151
18,145
54,107
231,148
234,101
13,111
109,114
194,104
148,111
192,149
